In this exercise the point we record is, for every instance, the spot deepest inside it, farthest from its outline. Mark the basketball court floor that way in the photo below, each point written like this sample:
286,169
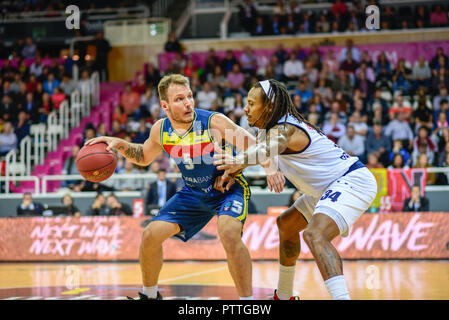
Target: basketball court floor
366,280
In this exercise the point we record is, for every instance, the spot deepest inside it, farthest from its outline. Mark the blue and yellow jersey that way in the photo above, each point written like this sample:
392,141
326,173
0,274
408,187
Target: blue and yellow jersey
193,152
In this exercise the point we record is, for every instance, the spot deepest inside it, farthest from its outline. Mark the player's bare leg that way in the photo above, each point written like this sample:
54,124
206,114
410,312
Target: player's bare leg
150,255
290,223
239,260
318,236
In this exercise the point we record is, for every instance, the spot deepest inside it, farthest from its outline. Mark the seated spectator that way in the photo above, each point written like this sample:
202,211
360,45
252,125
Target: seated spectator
383,63
438,18
379,144
206,96
130,100
439,79
248,61
365,86
67,85
28,207
323,24
128,184
399,148
353,144
146,101
310,72
172,44
50,84
400,106
275,26
360,127
349,46
85,83
401,77
72,210
422,117
293,68
142,133
439,98
8,139
423,163
117,130
303,92
37,67
335,107
439,60
349,64
398,162
22,127
373,161
160,191
228,62
235,81
120,115
57,98
98,207
29,50
421,74
399,129
334,129
89,133
217,80
247,15
331,63
343,84
8,108
422,143
152,75
116,208
416,203
71,168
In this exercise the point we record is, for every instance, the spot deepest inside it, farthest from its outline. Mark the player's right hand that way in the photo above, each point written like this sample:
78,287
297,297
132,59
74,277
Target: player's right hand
110,141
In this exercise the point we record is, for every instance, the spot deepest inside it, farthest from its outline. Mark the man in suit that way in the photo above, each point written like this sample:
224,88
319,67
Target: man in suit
416,203
161,190
29,207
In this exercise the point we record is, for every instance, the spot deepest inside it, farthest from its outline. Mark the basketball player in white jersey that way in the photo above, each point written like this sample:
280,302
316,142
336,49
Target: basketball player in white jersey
337,188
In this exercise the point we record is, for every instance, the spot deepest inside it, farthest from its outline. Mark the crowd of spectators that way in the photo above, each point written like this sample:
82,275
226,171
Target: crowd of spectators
389,115
288,18
29,91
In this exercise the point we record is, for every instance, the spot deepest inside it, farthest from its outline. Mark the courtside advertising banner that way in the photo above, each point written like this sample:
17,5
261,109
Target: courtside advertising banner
374,236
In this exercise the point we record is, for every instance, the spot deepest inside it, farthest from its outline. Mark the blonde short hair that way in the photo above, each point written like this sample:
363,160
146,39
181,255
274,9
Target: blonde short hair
167,80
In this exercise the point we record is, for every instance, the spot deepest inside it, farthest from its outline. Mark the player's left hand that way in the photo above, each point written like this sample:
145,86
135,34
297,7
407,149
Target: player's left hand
220,181
226,161
276,182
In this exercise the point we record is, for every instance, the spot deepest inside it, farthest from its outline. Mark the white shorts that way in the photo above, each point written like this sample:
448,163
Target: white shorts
344,201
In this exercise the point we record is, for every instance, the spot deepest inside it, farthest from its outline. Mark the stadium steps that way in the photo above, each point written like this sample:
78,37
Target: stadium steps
54,160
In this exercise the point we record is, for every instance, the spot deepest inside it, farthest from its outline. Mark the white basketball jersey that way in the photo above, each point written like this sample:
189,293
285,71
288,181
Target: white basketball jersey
313,169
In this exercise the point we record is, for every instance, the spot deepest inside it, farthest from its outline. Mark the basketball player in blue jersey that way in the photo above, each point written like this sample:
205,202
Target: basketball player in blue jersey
337,188
188,136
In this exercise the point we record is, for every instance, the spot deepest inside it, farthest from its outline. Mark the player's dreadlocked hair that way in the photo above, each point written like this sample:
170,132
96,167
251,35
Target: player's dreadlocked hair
282,105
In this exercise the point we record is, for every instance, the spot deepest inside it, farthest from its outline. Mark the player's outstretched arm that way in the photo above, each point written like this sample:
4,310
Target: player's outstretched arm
140,154
266,149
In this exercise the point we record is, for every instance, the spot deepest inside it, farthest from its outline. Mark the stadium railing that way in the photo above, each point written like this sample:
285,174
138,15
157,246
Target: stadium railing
46,138
47,178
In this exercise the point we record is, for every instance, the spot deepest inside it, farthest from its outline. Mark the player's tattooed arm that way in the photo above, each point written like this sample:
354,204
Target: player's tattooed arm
131,151
140,154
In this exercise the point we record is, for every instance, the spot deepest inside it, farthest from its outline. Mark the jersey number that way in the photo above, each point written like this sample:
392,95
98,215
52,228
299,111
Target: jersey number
332,196
237,207
188,163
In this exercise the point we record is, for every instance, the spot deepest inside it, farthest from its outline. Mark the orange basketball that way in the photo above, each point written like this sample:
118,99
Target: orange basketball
95,163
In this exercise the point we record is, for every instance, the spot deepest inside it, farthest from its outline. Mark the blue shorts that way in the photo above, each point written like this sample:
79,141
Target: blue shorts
192,210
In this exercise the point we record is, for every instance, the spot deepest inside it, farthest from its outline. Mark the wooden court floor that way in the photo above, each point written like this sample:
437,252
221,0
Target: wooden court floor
366,280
